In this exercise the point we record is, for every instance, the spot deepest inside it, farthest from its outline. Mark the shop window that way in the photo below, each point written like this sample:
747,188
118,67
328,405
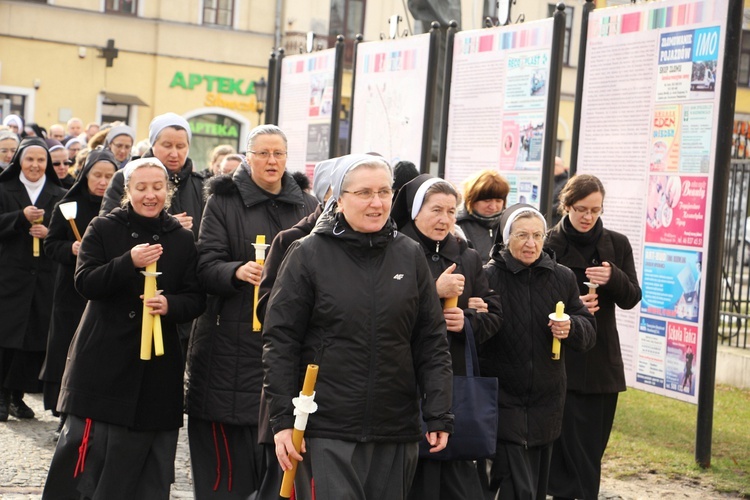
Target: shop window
121,6
568,30
348,19
218,12
209,131
743,75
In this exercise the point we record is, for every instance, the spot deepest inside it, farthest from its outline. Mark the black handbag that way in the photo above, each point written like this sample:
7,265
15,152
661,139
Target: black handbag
475,412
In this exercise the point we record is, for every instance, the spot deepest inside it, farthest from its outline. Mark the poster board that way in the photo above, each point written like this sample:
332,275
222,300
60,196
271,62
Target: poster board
648,131
389,96
498,106
306,107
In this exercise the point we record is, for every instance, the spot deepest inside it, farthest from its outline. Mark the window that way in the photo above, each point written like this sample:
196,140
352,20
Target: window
12,104
743,75
568,31
121,6
348,19
218,12
112,112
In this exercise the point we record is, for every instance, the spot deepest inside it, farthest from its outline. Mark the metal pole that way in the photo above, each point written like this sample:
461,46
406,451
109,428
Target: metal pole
445,108
273,91
711,316
357,40
429,108
338,72
277,96
553,110
587,8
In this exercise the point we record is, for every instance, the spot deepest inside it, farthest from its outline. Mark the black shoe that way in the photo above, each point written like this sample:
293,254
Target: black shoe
18,408
3,406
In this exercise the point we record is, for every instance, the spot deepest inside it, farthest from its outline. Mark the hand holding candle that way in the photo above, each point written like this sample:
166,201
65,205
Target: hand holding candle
151,325
560,324
69,211
260,258
591,300
304,405
36,233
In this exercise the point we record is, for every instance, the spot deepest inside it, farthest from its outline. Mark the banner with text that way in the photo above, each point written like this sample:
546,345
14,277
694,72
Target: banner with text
648,131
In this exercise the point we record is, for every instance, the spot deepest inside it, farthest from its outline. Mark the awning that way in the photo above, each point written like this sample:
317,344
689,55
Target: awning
112,98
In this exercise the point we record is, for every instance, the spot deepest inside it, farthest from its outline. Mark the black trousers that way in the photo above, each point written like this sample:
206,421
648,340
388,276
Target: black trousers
226,460
120,463
445,480
19,370
521,473
576,466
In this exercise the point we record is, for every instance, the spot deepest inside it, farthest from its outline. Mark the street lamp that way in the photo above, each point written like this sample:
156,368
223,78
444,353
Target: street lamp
260,97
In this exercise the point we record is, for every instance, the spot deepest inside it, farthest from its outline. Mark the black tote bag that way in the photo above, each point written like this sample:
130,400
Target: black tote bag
475,412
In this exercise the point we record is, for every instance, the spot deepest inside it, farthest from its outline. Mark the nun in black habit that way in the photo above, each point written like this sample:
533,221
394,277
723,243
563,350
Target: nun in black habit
29,191
62,247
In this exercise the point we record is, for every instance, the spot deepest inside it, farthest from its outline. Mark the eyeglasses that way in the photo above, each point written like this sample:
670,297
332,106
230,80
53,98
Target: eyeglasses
5,151
264,155
58,163
537,237
369,194
594,212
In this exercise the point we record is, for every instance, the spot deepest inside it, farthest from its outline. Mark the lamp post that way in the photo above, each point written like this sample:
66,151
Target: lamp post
260,97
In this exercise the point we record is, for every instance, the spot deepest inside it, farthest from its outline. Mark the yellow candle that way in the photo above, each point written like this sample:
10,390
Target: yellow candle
35,244
147,327
451,302
560,310
260,258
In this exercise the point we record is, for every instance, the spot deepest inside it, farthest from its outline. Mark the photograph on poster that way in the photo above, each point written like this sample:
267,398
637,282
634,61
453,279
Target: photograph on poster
705,59
526,81
671,283
522,142
676,210
681,357
524,188
651,350
697,135
318,142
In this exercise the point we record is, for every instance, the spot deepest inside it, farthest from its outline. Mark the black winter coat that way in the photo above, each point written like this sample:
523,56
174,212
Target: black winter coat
105,379
481,232
365,309
600,370
68,305
531,384
224,357
468,263
26,282
188,195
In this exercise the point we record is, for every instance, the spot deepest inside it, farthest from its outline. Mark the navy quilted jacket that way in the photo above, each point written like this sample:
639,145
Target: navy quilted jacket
531,384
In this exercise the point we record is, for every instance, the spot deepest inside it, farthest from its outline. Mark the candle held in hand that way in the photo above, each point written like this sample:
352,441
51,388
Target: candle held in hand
35,244
151,325
558,315
260,258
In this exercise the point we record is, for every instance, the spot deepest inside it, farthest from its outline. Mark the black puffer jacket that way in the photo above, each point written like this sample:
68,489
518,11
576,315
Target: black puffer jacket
532,385
365,309
481,231
188,196
224,356
601,369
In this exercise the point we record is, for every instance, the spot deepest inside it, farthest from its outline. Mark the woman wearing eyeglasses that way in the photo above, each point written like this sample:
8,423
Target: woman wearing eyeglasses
357,298
605,258
531,393
224,356
425,210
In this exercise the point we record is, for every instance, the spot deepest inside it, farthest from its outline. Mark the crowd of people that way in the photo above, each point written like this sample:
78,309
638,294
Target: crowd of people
377,274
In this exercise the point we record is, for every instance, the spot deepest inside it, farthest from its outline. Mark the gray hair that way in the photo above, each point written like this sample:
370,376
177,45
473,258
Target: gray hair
264,130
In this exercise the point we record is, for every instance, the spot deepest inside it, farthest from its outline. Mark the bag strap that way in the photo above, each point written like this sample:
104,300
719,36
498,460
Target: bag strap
470,351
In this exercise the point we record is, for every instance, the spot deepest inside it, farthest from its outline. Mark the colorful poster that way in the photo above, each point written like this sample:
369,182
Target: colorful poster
649,122
389,97
498,104
682,348
676,210
671,283
306,106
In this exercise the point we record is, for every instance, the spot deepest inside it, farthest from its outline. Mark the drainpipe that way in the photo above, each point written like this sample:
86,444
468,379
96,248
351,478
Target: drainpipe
277,27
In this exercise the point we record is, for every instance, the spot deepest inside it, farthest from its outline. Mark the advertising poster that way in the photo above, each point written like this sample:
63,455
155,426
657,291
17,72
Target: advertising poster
648,131
498,105
389,97
306,106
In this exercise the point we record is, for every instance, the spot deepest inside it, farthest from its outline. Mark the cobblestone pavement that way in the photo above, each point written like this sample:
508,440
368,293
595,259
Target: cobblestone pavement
26,448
